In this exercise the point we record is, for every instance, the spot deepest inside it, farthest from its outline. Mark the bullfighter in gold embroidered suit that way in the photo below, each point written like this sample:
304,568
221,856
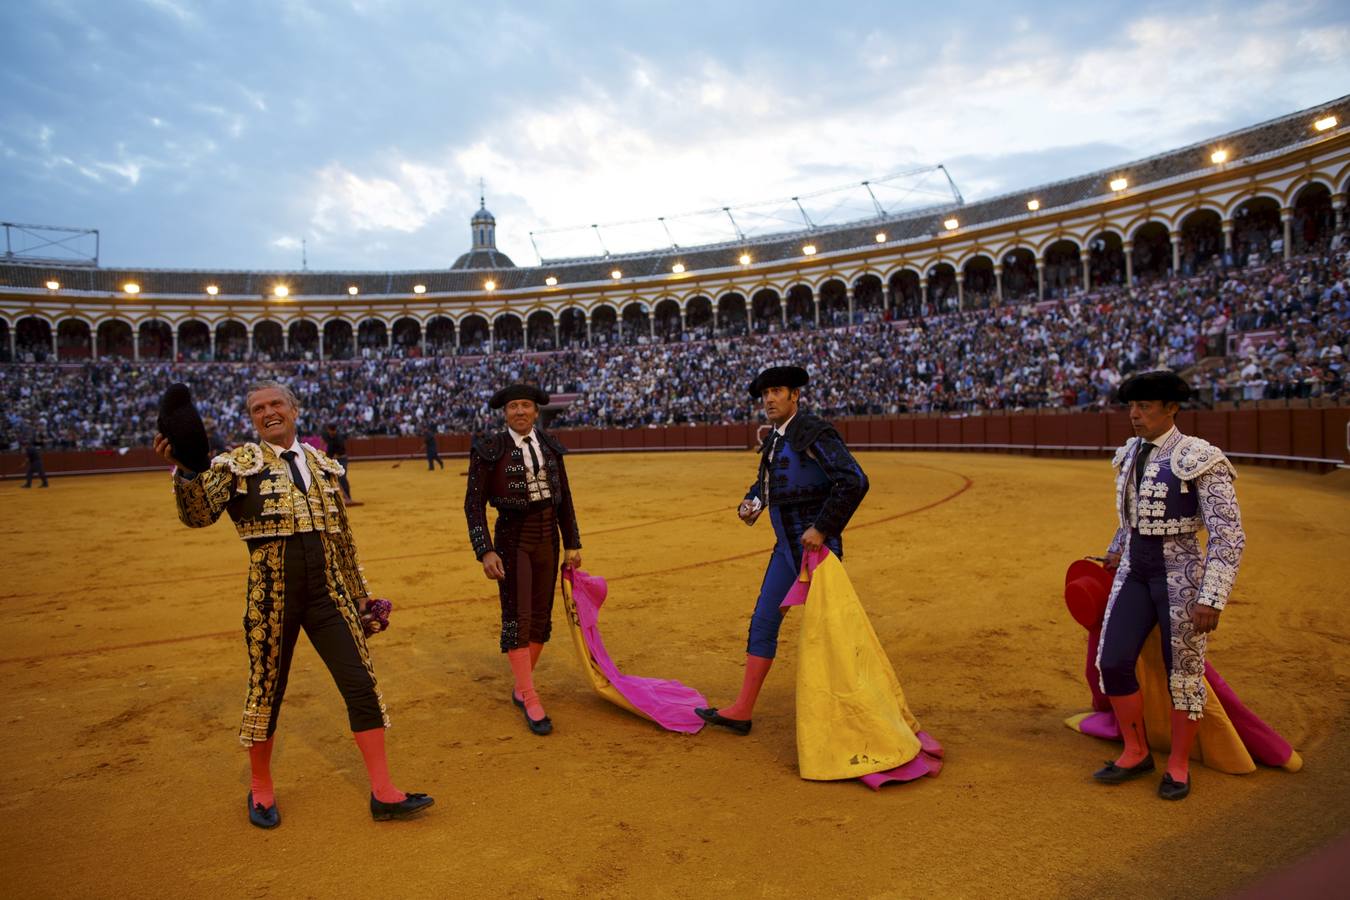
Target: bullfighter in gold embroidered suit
286,504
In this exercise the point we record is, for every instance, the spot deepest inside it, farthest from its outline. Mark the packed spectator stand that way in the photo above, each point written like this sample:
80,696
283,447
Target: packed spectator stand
1266,329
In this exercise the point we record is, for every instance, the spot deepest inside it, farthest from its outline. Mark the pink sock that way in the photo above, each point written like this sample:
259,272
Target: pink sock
520,669
371,743
260,781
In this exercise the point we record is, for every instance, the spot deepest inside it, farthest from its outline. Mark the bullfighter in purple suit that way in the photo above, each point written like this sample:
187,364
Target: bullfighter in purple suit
1168,487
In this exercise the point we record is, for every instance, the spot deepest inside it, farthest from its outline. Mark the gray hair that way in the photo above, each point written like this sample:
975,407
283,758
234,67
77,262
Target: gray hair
270,386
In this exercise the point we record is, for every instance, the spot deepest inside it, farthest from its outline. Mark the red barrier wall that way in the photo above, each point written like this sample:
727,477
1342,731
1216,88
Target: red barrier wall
1307,438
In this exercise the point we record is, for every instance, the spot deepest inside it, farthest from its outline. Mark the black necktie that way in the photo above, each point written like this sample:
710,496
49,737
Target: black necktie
534,460
299,479
774,439
1139,462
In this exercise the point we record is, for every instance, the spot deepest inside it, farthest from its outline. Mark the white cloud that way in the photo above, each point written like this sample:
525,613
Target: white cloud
402,201
670,138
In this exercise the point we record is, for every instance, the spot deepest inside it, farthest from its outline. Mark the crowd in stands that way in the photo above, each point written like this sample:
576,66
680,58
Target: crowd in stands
1264,331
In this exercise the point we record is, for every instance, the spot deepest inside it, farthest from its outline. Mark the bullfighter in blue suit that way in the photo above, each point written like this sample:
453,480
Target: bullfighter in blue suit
811,485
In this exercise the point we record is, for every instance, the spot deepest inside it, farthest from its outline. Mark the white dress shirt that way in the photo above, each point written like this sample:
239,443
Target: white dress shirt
1131,493
300,462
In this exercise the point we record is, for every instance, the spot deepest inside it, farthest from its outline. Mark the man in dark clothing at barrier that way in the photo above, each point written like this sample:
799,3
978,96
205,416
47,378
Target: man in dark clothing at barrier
337,449
32,448
433,454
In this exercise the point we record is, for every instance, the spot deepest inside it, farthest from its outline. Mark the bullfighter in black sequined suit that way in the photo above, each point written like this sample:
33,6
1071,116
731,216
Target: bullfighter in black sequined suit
811,485
519,471
284,500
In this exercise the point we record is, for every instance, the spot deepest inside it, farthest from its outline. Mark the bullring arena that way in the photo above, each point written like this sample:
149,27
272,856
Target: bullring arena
125,665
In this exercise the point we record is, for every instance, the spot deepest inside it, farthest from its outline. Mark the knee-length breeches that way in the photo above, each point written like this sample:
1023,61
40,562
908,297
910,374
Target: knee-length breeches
1141,603
528,545
309,606
785,564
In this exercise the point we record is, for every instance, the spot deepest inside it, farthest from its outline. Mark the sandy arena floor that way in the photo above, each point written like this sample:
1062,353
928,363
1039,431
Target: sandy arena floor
125,673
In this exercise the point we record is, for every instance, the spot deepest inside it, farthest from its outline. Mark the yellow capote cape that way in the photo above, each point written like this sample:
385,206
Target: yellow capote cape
852,718
1217,742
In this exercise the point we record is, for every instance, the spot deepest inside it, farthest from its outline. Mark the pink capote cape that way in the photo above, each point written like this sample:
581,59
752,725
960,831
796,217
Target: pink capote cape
852,717
669,704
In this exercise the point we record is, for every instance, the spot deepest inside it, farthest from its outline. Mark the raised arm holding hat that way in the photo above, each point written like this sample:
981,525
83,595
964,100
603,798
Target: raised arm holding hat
811,485
285,502
519,471
1168,487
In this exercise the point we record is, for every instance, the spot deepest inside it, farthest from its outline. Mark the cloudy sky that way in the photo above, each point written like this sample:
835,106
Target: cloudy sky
220,133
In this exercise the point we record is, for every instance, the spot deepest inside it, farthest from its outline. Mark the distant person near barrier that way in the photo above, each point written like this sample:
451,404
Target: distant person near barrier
433,454
337,449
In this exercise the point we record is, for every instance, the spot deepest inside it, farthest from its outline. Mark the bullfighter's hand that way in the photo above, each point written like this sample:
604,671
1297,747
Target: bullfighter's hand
748,513
1112,561
492,566
1205,618
572,559
812,539
164,450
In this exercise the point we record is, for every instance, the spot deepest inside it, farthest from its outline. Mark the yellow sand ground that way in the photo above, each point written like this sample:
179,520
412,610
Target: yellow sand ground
124,674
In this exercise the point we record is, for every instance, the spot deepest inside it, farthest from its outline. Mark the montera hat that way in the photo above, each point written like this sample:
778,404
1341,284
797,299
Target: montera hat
518,392
778,376
1169,387
1087,585
180,422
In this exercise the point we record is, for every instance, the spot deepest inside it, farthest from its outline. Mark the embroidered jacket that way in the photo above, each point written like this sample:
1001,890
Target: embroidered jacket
819,475
253,485
497,479
1187,484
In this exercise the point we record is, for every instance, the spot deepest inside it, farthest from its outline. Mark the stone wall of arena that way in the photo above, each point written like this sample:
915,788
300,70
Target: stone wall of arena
1311,438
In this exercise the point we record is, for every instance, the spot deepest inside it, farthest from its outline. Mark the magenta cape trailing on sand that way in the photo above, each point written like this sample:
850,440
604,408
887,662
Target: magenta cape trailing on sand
852,717
669,704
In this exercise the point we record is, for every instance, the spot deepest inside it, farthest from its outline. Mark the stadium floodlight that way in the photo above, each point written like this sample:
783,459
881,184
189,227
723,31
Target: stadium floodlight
353,290
881,237
1033,205
1218,157
745,259
809,250
1119,184
281,292
212,290
551,281
419,288
489,285
131,287
616,274
1326,123
53,285
678,268
951,224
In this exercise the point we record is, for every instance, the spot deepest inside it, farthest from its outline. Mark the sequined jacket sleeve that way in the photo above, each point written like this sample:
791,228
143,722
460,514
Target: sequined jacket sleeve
475,504
344,547
202,498
848,483
1122,535
567,516
1219,509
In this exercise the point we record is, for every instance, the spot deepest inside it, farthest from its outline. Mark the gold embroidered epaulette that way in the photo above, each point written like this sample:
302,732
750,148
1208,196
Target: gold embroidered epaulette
1194,456
246,459
325,462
